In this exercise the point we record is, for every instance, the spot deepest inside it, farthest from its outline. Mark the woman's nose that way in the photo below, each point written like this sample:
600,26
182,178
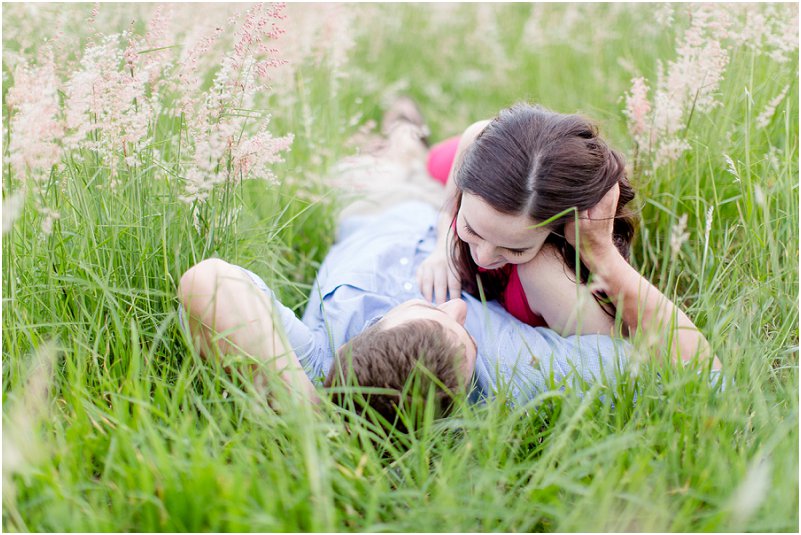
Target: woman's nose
485,255
455,308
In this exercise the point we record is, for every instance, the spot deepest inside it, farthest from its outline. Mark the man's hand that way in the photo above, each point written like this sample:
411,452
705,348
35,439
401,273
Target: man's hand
437,279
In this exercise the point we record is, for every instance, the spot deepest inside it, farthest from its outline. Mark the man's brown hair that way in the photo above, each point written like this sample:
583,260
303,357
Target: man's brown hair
387,358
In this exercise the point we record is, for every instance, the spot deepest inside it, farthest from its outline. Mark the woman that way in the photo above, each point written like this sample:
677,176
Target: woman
516,187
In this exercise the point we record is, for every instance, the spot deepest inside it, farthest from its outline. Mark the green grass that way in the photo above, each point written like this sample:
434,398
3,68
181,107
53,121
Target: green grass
132,432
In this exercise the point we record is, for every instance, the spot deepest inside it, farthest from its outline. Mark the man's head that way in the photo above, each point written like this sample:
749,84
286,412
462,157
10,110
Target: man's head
410,337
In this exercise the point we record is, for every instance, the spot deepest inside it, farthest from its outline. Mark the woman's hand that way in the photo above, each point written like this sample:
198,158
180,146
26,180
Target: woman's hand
595,227
437,279
435,276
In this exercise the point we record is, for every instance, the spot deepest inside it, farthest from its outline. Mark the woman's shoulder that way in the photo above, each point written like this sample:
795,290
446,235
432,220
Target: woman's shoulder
549,256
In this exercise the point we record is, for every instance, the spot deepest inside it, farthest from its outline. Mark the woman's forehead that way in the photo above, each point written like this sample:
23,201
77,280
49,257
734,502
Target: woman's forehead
503,230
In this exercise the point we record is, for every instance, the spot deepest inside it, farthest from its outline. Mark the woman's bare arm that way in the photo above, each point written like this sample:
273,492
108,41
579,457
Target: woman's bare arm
641,305
567,306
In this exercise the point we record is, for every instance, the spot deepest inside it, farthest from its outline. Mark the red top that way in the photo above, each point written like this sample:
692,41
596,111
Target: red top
440,160
516,303
514,298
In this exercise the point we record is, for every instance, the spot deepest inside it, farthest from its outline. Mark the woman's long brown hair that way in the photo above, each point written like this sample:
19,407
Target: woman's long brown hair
536,162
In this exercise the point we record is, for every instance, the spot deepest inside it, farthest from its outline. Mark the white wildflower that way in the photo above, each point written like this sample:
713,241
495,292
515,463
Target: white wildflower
782,42
12,209
708,225
773,159
663,14
638,107
731,168
109,102
678,235
670,150
220,125
253,155
759,195
535,28
50,217
488,34
28,406
35,128
763,119
689,84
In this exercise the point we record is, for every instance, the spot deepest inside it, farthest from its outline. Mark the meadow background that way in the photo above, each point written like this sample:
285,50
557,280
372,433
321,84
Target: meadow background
141,138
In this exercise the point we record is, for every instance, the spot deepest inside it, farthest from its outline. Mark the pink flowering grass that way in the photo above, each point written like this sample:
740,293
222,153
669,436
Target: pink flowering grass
35,131
689,85
120,86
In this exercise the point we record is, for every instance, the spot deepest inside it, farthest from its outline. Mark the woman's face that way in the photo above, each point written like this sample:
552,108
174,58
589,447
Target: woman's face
495,238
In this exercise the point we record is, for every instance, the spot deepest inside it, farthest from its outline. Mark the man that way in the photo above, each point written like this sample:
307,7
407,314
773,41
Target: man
367,285
366,321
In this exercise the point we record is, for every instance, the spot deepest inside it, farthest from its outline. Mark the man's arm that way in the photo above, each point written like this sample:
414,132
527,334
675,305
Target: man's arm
227,310
525,359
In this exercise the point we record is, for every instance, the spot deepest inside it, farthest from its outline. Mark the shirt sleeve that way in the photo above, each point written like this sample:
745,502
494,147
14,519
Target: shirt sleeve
348,309
524,361
311,345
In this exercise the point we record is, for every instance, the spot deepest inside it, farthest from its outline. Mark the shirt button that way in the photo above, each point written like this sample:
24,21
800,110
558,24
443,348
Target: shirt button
404,261
407,286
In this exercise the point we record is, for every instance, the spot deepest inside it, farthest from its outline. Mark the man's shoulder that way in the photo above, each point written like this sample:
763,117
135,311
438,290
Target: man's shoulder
378,255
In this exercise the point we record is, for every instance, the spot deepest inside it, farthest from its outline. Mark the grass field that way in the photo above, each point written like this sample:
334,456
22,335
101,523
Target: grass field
138,141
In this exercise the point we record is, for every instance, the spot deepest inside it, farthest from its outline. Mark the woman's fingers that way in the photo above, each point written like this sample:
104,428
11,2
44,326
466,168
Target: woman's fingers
425,278
454,285
595,228
440,285
570,227
595,225
607,206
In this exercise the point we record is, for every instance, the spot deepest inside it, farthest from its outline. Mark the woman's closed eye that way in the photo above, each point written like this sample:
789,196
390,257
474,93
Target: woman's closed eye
515,252
471,231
